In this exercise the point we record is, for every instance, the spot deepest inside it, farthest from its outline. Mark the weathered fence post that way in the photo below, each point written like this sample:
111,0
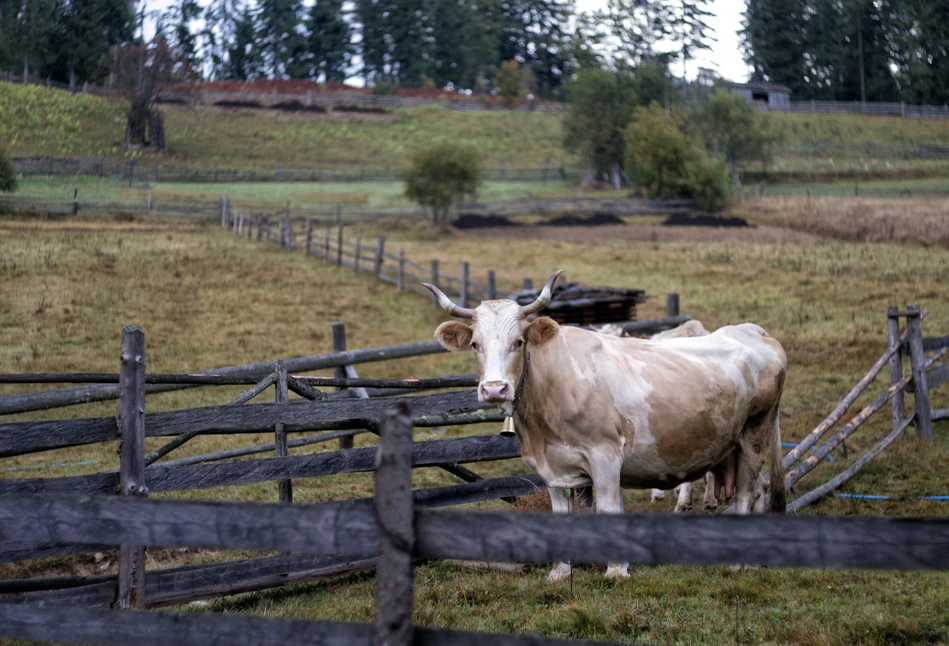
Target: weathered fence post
924,422
528,283
896,364
395,520
672,304
75,201
380,249
356,256
284,487
260,227
291,241
148,205
281,236
131,593
250,225
220,201
464,284
400,275
492,286
339,246
326,243
309,236
339,372
435,305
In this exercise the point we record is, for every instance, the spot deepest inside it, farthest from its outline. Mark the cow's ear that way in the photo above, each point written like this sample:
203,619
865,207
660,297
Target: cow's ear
453,336
541,330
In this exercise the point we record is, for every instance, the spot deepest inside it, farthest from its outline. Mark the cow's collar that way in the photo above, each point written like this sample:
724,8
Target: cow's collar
520,385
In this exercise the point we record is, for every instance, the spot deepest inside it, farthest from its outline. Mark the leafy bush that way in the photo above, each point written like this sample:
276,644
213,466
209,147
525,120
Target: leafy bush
511,85
385,87
7,174
665,162
734,129
442,175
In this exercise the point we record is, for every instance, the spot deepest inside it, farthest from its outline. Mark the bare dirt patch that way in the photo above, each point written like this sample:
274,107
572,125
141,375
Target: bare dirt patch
651,233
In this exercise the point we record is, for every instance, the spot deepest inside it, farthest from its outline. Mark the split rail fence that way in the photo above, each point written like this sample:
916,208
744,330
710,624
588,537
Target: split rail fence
47,516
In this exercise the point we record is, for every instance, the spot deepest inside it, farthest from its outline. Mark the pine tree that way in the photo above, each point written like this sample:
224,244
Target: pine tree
329,40
179,18
535,32
374,46
409,30
243,61
775,44
918,31
279,36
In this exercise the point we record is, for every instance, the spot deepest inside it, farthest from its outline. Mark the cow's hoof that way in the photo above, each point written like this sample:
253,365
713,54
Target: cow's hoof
617,572
681,509
709,509
560,571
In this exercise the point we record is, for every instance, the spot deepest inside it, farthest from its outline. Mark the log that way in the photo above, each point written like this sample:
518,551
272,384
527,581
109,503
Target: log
811,438
392,504
806,465
132,481
898,407
924,423
194,582
821,491
350,531
935,342
262,448
339,372
200,476
72,396
84,625
284,486
18,438
243,398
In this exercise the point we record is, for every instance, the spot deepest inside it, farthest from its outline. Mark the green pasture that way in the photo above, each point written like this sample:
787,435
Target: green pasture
207,298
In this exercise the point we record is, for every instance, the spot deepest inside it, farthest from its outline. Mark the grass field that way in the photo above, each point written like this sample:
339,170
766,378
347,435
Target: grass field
41,121
208,299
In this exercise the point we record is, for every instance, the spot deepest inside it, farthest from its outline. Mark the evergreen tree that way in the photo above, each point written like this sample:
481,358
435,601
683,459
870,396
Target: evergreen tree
919,37
534,33
466,36
279,38
329,40
243,61
218,35
775,44
35,29
374,46
410,31
179,18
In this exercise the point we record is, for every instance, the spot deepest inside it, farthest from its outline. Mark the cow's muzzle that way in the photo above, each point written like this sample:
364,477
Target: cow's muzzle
495,392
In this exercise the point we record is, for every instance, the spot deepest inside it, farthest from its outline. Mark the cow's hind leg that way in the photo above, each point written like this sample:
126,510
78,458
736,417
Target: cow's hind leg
560,504
684,501
750,456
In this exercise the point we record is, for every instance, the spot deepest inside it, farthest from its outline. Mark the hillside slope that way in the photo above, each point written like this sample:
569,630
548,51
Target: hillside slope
38,121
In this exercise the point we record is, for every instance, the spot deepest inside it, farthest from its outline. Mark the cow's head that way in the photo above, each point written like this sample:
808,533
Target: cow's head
499,335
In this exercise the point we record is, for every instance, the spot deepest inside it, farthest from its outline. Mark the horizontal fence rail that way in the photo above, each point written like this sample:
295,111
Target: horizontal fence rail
350,531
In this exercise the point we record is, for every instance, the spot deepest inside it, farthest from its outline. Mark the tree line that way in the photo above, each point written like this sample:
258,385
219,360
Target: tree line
874,50
851,50
455,44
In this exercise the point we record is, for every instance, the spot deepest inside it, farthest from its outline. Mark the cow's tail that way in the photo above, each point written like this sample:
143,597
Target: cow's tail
779,499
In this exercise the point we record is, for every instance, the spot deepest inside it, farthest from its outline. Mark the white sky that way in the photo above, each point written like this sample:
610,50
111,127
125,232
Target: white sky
724,57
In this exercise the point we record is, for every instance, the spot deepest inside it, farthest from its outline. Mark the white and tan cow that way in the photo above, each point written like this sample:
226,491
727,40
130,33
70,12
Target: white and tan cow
626,412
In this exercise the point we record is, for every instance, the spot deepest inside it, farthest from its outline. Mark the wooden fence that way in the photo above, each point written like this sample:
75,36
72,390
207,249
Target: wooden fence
394,534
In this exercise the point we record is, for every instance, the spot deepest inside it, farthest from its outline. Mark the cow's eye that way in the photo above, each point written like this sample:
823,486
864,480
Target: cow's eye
474,346
519,343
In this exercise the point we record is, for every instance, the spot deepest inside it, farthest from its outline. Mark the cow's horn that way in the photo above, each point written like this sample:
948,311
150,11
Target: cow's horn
448,305
545,295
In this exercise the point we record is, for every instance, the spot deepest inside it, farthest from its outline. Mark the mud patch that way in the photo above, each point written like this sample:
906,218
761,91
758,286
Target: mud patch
595,220
473,221
684,220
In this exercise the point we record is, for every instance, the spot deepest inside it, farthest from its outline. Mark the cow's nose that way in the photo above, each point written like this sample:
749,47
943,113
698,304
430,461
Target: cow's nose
495,391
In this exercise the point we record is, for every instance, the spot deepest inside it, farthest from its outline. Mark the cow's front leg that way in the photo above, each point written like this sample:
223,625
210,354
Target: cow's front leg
560,504
609,500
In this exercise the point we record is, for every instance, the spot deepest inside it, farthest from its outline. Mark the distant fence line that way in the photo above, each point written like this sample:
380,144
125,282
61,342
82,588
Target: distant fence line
321,99
880,108
332,213
132,170
841,189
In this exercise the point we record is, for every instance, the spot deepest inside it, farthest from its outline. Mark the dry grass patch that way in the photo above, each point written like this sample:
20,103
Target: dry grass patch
913,221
